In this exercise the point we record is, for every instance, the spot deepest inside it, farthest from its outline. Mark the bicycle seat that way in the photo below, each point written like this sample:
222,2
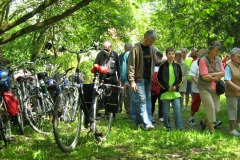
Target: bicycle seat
100,69
42,75
25,78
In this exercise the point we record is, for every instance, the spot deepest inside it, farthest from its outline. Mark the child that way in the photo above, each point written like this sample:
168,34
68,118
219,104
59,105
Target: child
169,78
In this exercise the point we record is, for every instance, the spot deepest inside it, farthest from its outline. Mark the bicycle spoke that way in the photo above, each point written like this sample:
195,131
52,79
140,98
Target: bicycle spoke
67,122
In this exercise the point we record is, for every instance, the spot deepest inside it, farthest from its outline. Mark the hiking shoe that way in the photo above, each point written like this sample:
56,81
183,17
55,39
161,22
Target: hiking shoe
235,133
217,123
161,119
191,122
149,128
203,125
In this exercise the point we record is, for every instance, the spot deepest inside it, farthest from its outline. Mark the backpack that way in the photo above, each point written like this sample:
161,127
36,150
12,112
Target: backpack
12,103
155,88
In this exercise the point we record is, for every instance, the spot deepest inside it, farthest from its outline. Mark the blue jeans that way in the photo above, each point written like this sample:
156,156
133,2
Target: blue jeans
143,95
133,105
176,111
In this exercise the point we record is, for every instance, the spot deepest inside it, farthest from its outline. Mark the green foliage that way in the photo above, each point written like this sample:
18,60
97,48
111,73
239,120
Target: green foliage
86,70
197,23
178,23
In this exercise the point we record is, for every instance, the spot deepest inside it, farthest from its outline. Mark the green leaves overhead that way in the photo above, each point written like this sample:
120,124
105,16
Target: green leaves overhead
196,23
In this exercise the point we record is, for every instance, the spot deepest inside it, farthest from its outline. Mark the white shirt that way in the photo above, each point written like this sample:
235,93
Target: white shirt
194,71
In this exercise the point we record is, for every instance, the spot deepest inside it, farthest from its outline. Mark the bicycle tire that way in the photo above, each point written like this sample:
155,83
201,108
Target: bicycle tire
39,120
103,121
5,125
19,116
3,136
67,120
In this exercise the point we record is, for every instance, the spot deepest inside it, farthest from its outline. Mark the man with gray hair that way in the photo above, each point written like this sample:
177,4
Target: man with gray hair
141,64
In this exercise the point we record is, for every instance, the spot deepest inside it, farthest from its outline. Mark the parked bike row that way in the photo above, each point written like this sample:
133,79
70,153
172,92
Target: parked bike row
56,104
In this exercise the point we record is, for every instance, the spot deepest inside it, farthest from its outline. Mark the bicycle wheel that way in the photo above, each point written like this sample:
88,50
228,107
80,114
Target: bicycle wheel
39,113
5,125
2,129
103,121
67,120
19,116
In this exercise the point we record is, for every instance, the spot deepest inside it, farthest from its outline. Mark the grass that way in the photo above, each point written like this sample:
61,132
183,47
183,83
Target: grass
127,141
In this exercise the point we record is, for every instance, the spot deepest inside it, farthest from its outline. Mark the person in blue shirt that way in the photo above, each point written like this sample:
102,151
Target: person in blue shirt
232,80
125,83
126,98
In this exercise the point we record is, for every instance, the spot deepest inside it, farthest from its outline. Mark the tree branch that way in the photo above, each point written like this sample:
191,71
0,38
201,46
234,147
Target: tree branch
27,16
46,22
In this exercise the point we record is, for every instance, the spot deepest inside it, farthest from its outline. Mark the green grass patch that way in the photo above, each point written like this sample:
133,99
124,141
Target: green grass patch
126,141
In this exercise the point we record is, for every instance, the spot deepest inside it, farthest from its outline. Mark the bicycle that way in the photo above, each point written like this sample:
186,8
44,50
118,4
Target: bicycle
70,106
5,114
20,88
38,106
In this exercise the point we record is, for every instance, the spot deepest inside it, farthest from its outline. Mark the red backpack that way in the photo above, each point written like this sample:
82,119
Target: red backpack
12,103
155,88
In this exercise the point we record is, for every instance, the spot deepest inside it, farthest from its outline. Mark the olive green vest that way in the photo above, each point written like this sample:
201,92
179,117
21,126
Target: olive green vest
235,68
202,84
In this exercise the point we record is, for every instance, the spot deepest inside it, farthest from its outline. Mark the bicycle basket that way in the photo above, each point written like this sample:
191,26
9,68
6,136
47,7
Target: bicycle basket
4,80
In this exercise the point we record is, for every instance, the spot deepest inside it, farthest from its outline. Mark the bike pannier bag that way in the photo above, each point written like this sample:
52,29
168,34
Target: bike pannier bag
87,94
4,80
112,101
12,103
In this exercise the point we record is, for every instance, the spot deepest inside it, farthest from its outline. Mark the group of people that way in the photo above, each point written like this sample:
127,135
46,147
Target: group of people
147,77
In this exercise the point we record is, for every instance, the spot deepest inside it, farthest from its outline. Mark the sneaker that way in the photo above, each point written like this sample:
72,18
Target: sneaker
203,125
127,117
151,127
161,119
217,123
191,122
235,133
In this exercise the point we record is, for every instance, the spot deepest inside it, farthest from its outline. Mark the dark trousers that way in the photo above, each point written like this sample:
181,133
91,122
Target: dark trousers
154,99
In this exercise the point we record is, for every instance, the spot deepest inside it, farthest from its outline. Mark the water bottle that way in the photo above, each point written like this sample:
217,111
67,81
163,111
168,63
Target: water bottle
43,87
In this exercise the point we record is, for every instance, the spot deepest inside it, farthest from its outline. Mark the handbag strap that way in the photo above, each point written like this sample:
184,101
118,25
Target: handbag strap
210,63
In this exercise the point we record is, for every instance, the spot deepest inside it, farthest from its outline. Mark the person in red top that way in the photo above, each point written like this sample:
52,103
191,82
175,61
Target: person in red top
155,88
